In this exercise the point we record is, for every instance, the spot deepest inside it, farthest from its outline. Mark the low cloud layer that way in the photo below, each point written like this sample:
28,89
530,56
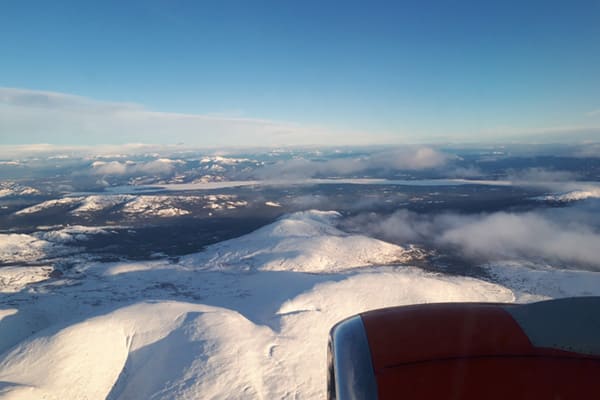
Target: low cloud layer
506,235
405,158
568,237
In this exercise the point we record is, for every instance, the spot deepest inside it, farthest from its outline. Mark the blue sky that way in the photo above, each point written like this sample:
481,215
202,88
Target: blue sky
311,71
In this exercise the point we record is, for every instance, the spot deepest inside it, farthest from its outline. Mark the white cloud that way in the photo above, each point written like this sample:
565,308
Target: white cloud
156,167
507,235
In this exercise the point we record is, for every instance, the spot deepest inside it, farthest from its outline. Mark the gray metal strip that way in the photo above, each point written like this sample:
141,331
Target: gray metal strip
571,324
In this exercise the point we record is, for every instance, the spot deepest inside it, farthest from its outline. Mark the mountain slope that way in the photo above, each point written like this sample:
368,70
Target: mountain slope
241,320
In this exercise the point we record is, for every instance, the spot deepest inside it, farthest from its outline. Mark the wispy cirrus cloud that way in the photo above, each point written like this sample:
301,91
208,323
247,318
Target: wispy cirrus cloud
544,134
593,113
34,116
31,116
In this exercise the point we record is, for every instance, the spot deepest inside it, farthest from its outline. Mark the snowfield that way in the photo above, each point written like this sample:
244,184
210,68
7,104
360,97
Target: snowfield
16,248
40,246
535,281
15,279
245,319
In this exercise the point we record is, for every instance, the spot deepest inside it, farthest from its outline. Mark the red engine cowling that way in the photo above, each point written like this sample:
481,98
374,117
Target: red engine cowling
545,350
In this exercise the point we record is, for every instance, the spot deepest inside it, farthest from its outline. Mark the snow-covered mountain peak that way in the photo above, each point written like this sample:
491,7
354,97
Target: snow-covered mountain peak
574,195
306,242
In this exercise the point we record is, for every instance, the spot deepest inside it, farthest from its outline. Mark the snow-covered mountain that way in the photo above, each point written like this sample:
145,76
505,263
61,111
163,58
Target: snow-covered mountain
137,205
65,201
8,189
243,319
96,203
